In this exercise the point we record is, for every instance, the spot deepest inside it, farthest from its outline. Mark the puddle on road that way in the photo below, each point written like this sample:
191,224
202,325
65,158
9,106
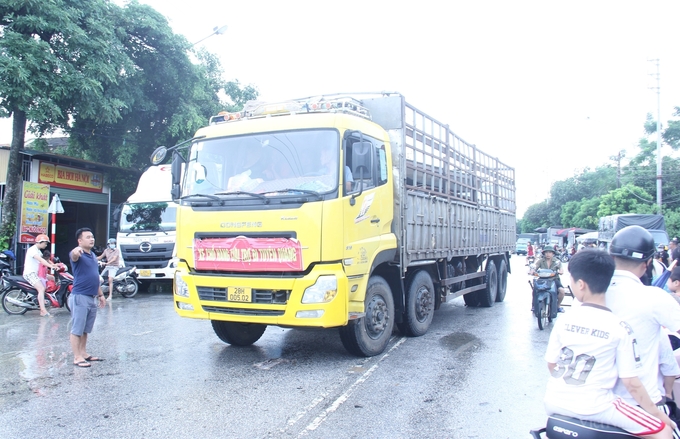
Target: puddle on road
460,342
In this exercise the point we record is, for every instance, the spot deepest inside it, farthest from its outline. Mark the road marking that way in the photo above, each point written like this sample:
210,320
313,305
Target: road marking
345,396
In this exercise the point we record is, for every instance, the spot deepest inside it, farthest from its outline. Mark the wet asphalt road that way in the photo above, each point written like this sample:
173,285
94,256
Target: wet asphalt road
477,373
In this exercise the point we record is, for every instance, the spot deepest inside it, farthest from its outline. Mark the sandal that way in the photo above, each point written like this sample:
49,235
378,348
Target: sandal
82,364
91,358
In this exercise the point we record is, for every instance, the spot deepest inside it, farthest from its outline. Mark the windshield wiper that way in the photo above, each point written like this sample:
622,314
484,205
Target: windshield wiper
159,229
212,197
302,191
252,194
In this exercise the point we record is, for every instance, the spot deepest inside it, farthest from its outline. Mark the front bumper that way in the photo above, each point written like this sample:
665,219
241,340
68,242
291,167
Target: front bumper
275,300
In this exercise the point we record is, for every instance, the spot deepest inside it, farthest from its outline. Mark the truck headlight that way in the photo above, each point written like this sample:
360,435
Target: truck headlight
323,291
181,287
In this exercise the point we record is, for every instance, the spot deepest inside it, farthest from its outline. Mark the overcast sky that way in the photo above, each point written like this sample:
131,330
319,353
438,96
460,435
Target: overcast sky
548,87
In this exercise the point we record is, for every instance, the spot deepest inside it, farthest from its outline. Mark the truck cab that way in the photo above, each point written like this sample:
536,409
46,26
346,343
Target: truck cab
147,227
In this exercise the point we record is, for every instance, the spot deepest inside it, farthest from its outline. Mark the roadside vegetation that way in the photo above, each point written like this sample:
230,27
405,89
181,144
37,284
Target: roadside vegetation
624,185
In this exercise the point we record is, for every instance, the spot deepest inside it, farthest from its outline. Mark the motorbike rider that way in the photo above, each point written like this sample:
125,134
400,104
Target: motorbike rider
113,263
550,262
530,251
33,260
645,309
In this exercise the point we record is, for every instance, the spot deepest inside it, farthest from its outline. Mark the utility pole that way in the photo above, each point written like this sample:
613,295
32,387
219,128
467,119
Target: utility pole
658,132
617,158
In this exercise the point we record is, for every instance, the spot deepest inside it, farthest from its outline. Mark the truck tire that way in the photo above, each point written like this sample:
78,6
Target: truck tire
369,335
420,297
502,281
238,334
487,296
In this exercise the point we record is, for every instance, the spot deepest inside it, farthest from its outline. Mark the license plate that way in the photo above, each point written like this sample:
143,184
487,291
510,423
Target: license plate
145,273
239,294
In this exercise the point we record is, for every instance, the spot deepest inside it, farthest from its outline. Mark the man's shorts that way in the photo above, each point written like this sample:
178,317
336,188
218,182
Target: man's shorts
33,279
83,313
112,271
620,414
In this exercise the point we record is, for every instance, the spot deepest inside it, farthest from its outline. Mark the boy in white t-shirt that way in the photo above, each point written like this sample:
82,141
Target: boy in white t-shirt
589,349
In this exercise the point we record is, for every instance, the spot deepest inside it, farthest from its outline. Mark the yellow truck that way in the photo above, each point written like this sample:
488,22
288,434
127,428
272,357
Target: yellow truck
357,212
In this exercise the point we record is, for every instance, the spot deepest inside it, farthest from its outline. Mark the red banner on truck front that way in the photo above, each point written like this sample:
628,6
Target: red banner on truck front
248,254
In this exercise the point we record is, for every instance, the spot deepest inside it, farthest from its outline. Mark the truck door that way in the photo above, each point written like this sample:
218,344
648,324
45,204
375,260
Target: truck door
367,206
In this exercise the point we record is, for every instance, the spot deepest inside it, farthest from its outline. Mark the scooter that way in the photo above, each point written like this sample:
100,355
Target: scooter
124,282
544,296
18,296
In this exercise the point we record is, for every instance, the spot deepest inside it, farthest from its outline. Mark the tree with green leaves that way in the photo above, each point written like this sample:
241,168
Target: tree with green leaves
627,199
167,94
57,58
116,79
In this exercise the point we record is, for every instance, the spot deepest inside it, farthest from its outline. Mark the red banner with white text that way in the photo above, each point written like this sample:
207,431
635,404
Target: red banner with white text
248,254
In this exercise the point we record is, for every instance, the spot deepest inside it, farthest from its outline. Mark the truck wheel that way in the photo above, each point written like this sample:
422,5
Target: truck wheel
419,305
487,296
238,334
369,335
502,281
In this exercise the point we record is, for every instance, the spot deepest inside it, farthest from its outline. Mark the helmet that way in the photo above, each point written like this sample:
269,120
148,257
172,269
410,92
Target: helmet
111,241
633,242
547,249
40,238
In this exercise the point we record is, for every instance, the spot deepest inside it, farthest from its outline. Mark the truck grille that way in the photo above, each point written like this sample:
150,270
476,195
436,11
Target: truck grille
245,311
277,297
157,257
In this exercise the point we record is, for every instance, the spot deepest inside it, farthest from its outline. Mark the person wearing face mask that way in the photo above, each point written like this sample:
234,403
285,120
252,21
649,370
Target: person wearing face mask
113,263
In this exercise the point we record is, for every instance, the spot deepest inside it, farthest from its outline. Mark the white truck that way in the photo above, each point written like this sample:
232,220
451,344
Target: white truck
146,227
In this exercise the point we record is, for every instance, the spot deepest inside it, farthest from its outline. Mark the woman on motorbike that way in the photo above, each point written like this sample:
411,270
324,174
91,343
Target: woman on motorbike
550,262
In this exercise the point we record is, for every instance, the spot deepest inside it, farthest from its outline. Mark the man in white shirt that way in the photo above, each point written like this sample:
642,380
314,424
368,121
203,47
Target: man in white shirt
645,309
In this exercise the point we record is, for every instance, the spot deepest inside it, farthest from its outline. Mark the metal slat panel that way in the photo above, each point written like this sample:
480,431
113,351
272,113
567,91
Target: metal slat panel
80,196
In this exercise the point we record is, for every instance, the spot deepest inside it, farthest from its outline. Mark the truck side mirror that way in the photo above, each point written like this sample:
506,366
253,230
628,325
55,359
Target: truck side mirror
116,217
159,155
176,171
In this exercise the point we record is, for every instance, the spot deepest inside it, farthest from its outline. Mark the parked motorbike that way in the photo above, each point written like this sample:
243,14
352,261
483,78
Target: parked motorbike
544,296
18,296
124,282
7,258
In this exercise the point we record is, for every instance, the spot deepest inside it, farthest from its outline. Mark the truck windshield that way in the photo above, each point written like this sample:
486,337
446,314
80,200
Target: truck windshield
148,217
264,163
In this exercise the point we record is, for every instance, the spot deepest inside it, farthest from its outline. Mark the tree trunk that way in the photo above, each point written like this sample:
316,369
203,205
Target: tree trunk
10,203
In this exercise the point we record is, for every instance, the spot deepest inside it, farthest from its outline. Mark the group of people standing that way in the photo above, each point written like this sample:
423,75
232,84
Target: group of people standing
86,295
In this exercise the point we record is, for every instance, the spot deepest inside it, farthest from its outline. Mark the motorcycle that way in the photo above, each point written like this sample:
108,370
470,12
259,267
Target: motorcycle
544,296
124,282
563,256
6,260
559,426
18,296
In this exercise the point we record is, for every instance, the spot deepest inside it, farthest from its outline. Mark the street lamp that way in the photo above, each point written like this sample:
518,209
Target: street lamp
216,31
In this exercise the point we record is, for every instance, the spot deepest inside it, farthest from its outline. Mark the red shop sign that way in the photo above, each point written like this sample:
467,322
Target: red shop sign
248,254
